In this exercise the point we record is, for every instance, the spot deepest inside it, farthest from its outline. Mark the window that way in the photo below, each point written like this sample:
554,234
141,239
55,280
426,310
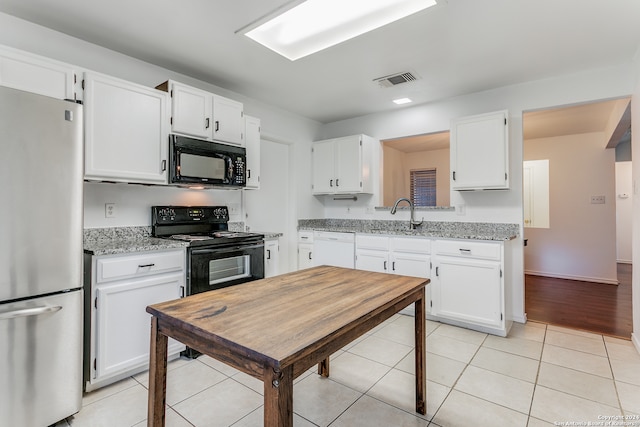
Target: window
423,187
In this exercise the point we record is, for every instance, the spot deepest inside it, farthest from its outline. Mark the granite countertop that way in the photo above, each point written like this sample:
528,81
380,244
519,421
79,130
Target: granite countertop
442,229
121,240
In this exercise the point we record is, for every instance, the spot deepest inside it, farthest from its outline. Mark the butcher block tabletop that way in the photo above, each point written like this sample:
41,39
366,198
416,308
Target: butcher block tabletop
286,323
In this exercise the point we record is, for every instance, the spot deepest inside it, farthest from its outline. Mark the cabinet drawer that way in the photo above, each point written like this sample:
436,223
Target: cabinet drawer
305,236
364,241
483,250
122,267
414,245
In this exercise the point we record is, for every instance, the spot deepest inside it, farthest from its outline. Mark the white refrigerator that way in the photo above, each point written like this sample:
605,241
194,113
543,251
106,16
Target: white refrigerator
41,181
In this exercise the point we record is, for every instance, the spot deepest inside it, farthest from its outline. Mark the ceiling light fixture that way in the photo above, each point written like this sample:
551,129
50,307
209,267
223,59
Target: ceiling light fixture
401,101
314,25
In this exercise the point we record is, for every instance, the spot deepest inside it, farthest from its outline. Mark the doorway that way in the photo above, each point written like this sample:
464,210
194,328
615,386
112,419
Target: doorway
575,255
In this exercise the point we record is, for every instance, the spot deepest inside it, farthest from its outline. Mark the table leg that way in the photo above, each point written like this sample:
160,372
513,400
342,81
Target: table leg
278,397
323,367
421,362
157,377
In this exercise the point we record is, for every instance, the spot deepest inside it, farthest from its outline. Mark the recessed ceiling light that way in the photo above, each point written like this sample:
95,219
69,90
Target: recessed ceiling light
401,101
314,25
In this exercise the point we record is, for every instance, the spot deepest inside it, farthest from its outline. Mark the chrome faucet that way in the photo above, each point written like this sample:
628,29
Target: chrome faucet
412,223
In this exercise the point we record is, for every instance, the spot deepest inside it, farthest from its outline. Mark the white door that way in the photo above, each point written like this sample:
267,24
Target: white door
268,208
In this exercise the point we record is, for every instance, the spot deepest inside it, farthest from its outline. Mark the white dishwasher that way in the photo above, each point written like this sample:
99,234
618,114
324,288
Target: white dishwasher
334,248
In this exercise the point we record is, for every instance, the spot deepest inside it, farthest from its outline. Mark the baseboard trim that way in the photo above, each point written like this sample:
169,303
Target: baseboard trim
570,277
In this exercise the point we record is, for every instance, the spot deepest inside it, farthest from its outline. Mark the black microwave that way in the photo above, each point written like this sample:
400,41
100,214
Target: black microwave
195,162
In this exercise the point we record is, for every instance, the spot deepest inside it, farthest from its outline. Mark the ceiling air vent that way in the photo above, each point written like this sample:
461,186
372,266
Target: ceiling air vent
395,79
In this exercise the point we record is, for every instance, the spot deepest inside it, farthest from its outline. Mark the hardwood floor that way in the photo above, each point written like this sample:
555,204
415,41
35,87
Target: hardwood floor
596,307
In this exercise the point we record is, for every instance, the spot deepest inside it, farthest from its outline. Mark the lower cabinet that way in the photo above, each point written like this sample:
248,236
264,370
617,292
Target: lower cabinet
271,257
117,329
468,285
305,250
408,256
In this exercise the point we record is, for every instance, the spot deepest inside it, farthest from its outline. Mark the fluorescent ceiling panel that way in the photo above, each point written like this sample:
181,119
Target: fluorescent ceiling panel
315,25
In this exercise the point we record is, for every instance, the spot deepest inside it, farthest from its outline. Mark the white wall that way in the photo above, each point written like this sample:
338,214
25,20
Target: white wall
491,206
624,211
580,242
635,147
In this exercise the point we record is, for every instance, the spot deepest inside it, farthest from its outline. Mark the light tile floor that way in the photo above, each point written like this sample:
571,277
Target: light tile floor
538,376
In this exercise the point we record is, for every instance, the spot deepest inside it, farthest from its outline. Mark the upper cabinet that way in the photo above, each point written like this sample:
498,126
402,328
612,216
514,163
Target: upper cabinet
252,138
342,165
480,152
126,133
35,74
202,114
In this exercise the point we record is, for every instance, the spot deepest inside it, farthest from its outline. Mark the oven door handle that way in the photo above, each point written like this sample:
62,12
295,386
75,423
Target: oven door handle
225,249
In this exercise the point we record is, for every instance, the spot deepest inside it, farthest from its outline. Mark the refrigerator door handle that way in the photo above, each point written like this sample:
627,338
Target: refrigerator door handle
35,311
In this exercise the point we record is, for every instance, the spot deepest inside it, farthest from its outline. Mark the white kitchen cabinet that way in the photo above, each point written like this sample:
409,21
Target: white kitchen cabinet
118,289
271,257
342,165
201,114
408,256
252,140
305,250
126,134
468,285
36,74
334,248
479,152
228,120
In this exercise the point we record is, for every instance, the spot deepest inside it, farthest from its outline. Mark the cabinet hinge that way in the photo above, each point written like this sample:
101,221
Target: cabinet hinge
312,149
171,121
171,93
75,78
505,176
431,303
505,121
360,184
360,143
501,273
241,113
500,316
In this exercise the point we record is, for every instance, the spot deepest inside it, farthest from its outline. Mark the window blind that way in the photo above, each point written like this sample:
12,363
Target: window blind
423,187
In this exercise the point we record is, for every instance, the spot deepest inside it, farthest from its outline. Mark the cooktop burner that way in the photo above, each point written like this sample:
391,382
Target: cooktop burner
198,225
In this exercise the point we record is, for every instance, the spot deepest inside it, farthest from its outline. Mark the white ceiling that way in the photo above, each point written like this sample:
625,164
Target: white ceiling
457,47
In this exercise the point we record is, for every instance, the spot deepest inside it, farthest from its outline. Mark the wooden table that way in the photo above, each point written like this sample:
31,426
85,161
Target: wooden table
275,329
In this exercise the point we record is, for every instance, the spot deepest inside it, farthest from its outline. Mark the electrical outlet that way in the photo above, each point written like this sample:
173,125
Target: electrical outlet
109,210
597,200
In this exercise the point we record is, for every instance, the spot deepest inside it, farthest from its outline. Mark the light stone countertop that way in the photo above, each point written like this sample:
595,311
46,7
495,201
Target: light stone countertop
435,229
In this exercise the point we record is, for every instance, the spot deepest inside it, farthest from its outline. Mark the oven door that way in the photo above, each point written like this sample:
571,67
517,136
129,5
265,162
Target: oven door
219,267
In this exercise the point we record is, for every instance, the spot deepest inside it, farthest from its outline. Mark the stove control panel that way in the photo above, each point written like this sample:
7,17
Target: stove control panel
189,214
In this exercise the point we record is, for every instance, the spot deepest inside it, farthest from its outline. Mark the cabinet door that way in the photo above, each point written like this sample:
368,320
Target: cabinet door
323,168
271,259
228,120
305,255
191,111
348,161
252,139
370,260
126,134
468,290
35,74
123,325
479,152
409,264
